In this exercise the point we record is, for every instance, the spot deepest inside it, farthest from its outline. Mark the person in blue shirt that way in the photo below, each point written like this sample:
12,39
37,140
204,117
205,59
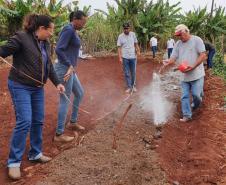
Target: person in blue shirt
67,50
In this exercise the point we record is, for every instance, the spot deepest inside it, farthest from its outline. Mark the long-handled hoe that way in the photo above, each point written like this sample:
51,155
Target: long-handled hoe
118,127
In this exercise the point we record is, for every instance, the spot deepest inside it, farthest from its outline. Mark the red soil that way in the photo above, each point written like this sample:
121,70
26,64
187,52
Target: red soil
191,153
104,86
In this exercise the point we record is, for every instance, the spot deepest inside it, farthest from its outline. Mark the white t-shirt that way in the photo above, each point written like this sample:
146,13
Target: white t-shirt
153,41
189,52
170,43
126,42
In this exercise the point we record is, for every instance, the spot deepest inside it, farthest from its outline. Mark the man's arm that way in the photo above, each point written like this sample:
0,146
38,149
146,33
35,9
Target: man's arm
170,62
119,49
120,54
137,48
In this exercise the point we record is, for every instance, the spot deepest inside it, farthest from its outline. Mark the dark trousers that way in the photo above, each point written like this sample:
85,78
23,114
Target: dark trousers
170,50
154,50
210,58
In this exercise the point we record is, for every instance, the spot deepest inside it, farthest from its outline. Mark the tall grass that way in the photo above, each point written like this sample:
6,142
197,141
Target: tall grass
219,67
99,35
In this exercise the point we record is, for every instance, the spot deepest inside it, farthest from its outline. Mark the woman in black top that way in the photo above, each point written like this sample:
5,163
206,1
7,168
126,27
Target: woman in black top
31,68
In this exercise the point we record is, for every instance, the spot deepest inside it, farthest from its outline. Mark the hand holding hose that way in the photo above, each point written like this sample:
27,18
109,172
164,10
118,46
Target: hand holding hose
68,73
61,88
165,64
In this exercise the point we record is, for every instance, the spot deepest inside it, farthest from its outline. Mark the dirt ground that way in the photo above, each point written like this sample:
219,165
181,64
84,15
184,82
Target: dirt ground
187,154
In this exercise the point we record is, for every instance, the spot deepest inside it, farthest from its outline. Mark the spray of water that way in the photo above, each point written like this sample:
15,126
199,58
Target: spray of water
153,100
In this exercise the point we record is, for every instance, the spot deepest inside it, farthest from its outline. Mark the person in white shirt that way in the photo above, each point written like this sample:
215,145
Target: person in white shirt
189,51
153,45
128,50
170,45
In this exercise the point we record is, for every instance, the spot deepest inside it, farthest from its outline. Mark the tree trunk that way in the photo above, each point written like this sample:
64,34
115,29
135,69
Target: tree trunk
211,14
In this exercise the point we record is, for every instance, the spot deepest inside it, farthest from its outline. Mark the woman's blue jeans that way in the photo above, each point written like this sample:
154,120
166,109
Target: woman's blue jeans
196,89
129,68
29,110
74,86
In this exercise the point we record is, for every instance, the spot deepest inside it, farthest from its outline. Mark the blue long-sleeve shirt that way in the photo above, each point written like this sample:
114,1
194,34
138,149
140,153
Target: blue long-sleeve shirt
67,48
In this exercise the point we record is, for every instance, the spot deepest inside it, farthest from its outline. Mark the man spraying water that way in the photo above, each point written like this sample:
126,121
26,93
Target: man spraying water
189,54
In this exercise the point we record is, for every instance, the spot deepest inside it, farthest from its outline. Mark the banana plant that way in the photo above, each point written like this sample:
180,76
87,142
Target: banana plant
13,12
206,25
196,21
130,10
158,19
216,25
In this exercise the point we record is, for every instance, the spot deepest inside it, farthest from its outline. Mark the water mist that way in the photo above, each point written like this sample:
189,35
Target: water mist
154,100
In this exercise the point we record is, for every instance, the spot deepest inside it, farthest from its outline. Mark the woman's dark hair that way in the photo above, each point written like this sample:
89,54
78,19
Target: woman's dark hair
33,21
76,15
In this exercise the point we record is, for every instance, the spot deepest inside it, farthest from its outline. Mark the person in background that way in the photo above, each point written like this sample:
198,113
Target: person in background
170,45
127,49
211,52
154,45
31,68
67,50
189,51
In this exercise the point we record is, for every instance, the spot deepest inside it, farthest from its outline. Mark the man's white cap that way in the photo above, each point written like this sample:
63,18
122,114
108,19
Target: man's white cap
181,28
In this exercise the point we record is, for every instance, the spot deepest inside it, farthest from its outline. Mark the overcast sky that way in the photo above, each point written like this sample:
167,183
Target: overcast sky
186,5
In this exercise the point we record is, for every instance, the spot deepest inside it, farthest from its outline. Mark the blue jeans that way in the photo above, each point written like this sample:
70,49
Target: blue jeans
154,50
74,86
210,58
170,50
29,110
196,88
129,68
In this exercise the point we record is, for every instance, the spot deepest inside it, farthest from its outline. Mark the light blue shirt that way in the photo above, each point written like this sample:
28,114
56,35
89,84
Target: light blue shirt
189,52
126,42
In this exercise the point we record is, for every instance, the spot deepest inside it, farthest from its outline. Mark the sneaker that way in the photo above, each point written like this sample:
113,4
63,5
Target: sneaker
185,119
14,173
193,108
63,138
43,159
134,89
127,90
76,126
